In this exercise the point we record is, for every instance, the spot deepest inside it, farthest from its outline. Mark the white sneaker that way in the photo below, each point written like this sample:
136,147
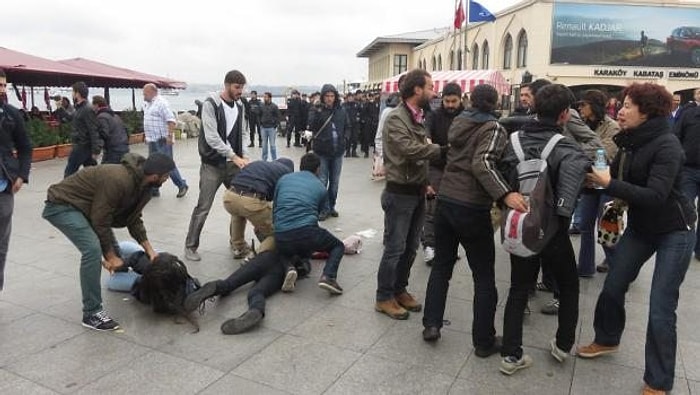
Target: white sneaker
558,354
428,255
192,255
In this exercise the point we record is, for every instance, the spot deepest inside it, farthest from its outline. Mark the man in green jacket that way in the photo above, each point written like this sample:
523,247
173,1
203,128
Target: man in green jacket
87,205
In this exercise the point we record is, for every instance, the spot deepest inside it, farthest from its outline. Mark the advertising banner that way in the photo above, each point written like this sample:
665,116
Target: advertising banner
625,35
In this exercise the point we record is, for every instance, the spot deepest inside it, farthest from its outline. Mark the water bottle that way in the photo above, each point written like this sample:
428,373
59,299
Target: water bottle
601,163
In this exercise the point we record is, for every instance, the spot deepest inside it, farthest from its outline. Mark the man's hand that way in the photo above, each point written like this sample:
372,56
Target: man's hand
516,201
240,162
17,185
112,263
599,177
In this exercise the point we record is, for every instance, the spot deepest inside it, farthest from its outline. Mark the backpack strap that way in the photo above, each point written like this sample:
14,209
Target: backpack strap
550,145
517,148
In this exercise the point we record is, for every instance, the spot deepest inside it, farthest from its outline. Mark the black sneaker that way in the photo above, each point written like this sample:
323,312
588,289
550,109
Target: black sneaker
487,352
196,298
243,323
330,285
181,192
323,216
100,321
334,213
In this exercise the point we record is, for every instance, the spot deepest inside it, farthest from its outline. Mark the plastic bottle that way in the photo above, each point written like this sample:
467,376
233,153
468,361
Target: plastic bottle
601,163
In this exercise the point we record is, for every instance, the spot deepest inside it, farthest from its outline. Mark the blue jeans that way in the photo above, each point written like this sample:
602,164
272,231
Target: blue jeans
690,185
72,223
330,178
305,241
163,147
403,221
590,206
268,140
673,252
80,155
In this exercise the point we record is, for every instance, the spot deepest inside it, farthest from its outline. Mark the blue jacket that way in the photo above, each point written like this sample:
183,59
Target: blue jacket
261,177
299,197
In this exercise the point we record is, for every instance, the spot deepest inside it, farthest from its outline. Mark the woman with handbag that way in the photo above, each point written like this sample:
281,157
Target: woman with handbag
661,222
592,110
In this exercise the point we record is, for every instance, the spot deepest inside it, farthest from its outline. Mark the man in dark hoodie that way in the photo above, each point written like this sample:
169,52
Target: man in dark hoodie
111,130
470,184
437,129
329,124
85,208
87,143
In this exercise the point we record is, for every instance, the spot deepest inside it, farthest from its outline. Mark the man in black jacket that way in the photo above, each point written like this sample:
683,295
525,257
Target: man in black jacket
295,119
269,122
254,118
370,119
111,130
14,171
687,128
352,108
87,143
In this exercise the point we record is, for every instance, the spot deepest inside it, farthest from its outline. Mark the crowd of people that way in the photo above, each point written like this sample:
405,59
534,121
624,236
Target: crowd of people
449,171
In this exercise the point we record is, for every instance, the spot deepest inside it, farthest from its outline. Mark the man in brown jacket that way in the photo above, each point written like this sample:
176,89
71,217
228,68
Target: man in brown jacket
87,205
406,157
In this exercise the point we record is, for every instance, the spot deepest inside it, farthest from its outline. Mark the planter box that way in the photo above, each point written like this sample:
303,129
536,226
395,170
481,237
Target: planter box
43,153
137,138
63,150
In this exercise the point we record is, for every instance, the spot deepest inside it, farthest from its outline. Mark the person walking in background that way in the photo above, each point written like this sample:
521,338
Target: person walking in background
112,131
14,170
159,125
86,140
269,122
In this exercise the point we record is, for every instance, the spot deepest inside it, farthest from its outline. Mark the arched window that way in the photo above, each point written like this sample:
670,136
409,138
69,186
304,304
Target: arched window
485,56
459,59
507,52
452,60
434,64
439,62
522,49
475,57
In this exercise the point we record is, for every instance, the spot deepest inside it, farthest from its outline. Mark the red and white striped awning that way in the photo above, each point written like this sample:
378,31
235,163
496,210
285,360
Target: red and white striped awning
467,79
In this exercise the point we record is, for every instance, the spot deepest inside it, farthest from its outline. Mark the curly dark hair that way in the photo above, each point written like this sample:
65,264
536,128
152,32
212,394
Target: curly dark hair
414,78
653,100
484,97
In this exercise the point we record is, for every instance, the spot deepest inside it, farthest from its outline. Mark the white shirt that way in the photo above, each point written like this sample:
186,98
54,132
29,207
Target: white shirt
231,114
156,115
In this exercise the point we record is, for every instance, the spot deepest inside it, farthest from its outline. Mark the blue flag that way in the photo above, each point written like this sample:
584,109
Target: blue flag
478,13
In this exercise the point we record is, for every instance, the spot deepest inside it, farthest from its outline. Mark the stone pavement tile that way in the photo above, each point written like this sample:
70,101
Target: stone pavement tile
11,312
361,297
545,376
23,275
594,377
11,384
32,334
694,387
155,373
297,365
403,342
212,348
284,312
55,289
689,352
76,362
374,375
232,384
344,327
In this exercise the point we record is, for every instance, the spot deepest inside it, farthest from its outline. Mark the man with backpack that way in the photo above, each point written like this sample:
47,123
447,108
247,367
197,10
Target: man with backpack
538,234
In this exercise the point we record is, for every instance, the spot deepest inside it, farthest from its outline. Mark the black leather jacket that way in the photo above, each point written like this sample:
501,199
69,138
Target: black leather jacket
14,136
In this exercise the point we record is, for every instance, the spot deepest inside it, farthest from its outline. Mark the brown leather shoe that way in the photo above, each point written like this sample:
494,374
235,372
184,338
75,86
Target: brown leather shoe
392,309
650,391
408,302
594,350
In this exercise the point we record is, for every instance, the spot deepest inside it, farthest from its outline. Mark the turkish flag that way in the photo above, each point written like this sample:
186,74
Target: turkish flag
459,16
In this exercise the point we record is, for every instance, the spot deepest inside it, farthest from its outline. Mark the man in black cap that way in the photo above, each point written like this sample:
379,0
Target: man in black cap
85,208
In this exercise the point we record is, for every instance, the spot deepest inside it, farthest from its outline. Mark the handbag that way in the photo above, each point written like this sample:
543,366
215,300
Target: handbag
611,224
313,137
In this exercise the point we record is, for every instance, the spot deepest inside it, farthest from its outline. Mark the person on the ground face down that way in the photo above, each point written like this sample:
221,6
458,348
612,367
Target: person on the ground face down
111,130
299,199
87,143
646,173
687,128
352,108
85,209
406,155
592,110
159,126
14,170
269,122
566,166
249,198
254,119
440,122
469,186
329,124
221,149
265,269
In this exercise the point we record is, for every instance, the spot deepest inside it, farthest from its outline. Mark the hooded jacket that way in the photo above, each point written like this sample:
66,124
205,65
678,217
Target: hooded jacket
687,128
325,143
112,131
110,196
567,163
471,176
14,136
437,129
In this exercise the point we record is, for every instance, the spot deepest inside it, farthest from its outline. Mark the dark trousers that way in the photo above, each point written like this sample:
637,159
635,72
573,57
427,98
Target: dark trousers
454,225
254,126
80,155
163,147
428,236
673,252
304,241
403,220
559,257
690,185
351,141
367,136
7,204
591,206
268,274
293,128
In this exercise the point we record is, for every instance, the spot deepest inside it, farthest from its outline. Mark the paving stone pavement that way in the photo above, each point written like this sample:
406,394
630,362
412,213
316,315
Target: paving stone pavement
309,342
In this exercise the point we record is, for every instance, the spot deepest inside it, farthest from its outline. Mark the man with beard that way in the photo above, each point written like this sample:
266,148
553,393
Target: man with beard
437,129
86,140
85,208
406,155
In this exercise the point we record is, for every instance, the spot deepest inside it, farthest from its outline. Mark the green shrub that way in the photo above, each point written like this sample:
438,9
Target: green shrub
40,133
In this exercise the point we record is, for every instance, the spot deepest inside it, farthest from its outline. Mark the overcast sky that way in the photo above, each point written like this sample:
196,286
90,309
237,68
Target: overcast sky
273,42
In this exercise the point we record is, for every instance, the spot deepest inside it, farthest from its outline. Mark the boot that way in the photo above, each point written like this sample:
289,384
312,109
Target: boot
408,302
245,322
392,309
354,153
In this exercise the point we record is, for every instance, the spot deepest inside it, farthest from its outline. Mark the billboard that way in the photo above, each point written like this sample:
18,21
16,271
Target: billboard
625,35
